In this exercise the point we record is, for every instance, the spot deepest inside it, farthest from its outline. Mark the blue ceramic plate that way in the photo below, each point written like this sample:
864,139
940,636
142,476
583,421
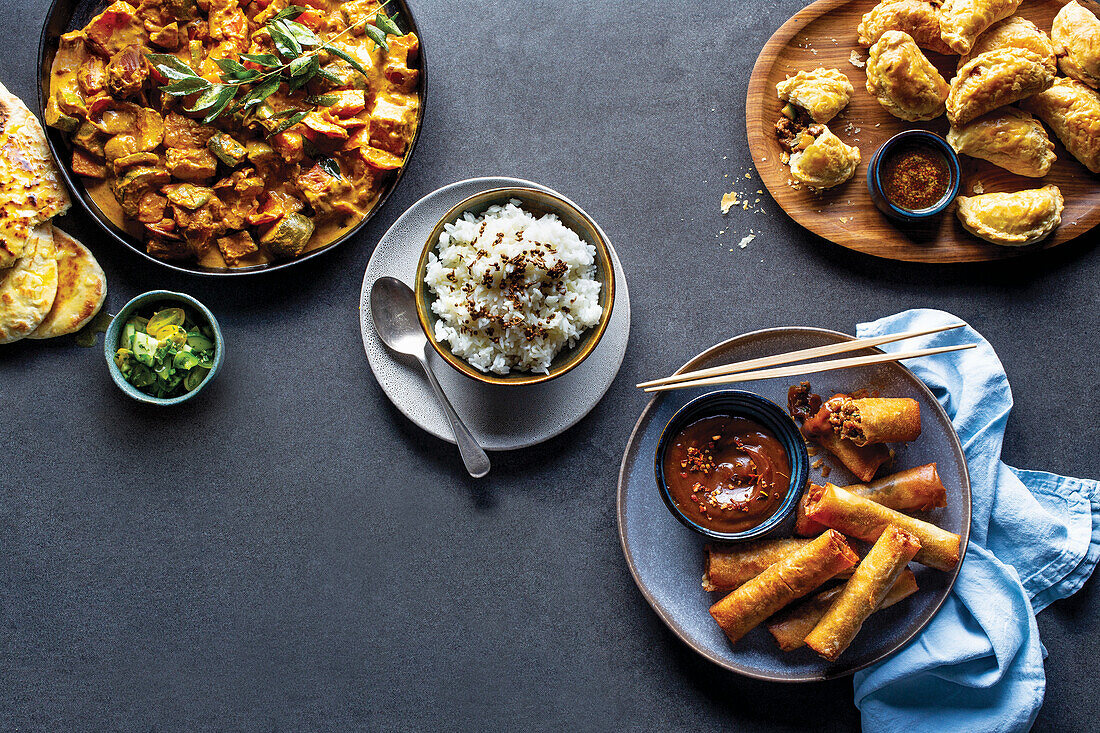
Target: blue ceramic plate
666,558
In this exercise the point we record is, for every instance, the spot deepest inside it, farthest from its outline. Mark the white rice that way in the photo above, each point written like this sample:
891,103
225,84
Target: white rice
511,291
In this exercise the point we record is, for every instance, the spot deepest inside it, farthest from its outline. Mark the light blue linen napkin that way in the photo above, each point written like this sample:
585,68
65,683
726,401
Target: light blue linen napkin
1034,538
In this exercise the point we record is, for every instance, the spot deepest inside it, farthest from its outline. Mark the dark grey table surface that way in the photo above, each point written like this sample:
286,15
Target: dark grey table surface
289,553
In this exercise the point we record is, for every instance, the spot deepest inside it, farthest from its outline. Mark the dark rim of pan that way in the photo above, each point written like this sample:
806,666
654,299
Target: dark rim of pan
835,671
59,19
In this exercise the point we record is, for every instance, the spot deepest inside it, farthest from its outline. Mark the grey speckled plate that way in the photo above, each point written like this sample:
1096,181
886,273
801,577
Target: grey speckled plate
666,558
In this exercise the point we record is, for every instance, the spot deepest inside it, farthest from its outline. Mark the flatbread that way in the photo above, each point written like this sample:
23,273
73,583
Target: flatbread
28,287
81,288
31,191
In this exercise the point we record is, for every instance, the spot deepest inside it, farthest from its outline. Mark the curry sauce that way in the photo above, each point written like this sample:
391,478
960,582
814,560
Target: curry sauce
259,182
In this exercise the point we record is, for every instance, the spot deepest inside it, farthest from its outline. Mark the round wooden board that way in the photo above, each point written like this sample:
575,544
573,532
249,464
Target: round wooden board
824,34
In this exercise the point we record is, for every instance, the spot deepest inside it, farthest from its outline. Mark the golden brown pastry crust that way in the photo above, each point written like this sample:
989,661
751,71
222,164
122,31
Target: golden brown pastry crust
903,80
1012,219
994,79
962,21
1076,34
827,162
919,18
1072,110
1014,32
1007,137
821,92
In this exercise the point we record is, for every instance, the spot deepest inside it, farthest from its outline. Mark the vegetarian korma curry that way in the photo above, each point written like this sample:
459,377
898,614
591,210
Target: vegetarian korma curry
236,132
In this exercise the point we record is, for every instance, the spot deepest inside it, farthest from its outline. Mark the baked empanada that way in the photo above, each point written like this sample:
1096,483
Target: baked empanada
1014,32
994,79
821,92
1076,33
1072,110
919,18
903,80
826,162
962,21
1007,137
1012,219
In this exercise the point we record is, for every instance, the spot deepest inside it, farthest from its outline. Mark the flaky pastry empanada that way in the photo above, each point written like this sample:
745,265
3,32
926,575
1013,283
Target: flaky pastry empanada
1007,137
903,80
1072,110
994,79
919,18
1014,32
962,21
1012,219
826,162
1076,33
821,92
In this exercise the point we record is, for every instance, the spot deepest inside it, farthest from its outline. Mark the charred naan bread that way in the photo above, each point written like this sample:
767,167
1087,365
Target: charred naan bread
994,79
28,287
1072,110
903,80
962,21
1012,219
31,191
81,288
1007,137
1076,33
821,92
919,18
1014,32
826,162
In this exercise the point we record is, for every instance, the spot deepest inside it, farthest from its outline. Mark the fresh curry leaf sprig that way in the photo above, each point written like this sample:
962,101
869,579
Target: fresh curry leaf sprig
296,64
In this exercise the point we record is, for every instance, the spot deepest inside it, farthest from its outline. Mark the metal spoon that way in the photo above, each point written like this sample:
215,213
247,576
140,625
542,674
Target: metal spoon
393,308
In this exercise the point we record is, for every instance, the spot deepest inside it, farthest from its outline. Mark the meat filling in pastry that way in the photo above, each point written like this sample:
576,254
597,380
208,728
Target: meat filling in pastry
1012,219
826,162
1076,34
962,21
919,18
1007,137
1014,32
994,79
1072,110
903,80
821,92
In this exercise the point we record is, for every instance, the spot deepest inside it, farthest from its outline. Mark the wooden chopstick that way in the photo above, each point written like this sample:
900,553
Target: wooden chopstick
799,369
812,353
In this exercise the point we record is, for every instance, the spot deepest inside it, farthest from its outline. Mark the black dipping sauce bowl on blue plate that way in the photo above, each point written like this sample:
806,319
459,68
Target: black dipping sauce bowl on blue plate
914,176
731,465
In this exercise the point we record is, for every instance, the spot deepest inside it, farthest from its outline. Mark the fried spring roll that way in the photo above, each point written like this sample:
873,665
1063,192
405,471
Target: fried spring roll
791,626
793,577
872,420
865,520
726,568
912,490
862,461
863,593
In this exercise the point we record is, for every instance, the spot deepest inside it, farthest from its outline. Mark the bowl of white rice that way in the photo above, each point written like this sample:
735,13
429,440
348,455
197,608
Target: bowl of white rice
515,286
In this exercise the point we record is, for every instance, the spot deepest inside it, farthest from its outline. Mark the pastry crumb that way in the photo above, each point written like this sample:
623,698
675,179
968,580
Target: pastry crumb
978,187
855,60
729,200
745,240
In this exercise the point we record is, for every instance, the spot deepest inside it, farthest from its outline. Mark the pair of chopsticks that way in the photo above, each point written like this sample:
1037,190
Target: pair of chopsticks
767,367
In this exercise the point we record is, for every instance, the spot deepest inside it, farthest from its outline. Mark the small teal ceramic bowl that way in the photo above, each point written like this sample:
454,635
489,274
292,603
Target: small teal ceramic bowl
738,403
901,141
150,302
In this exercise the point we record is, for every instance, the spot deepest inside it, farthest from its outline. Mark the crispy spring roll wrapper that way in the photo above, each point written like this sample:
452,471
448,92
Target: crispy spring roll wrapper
862,461
912,490
726,568
791,626
865,520
793,577
870,420
863,593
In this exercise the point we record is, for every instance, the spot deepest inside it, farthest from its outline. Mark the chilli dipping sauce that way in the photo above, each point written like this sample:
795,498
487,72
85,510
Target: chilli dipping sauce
915,177
726,473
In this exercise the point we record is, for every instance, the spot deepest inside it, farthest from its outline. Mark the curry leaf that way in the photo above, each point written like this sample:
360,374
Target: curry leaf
210,97
284,40
294,120
305,75
324,100
301,34
266,60
378,36
170,67
330,166
185,86
260,93
291,11
385,23
347,57
221,101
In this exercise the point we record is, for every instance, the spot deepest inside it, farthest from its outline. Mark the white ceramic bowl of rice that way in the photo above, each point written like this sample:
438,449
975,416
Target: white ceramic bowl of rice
515,286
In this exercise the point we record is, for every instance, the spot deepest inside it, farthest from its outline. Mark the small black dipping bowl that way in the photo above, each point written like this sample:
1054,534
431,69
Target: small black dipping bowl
737,403
913,137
